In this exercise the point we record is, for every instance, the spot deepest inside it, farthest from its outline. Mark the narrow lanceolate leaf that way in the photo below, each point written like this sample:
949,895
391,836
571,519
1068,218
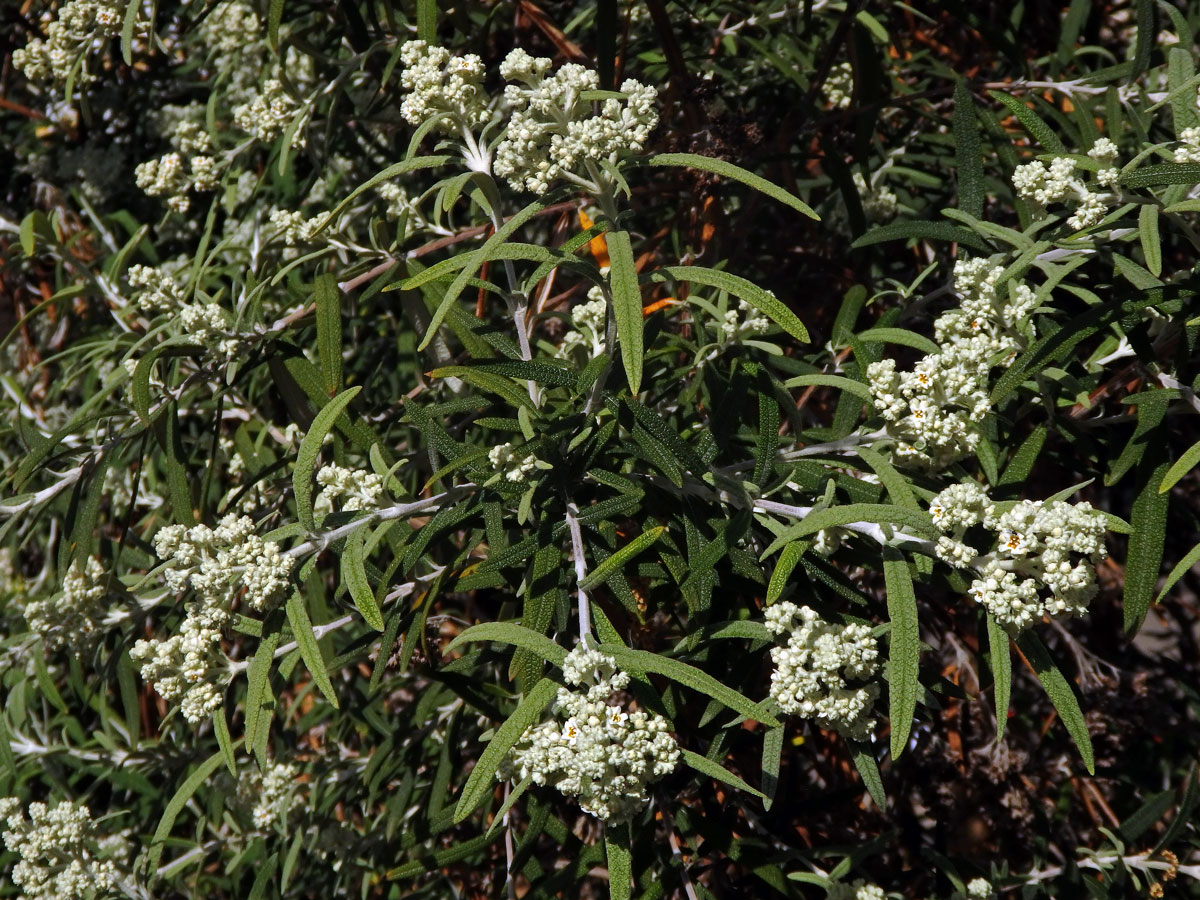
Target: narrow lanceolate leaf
354,574
310,650
482,778
706,766
900,336
1001,672
1149,521
905,652
176,804
841,382
1190,559
1186,462
328,302
729,170
260,701
618,847
1148,233
274,19
968,158
511,633
1033,123
868,770
1058,689
783,569
627,305
613,564
772,759
688,676
764,301
310,449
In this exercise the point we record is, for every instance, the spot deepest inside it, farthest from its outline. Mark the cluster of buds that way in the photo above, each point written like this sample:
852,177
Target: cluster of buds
823,671
932,412
268,113
355,488
215,562
295,227
440,85
1045,555
552,132
879,203
71,617
743,321
81,26
1058,183
593,749
858,890
189,667
172,177
504,459
273,792
61,853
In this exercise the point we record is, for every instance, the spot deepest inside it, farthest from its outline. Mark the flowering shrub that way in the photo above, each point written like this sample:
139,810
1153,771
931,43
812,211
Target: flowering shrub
599,449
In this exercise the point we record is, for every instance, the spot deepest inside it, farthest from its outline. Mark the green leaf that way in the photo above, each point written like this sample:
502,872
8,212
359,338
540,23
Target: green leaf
868,769
27,235
706,766
1162,174
772,758
328,300
689,676
354,574
482,778
1186,462
618,850
967,152
783,569
427,17
1148,233
627,305
1181,567
224,741
310,449
310,650
477,259
176,804
1146,542
1001,672
729,170
900,336
877,513
1033,123
614,563
904,648
274,18
764,301
179,488
1058,689
511,633
857,388
260,700
128,22
923,231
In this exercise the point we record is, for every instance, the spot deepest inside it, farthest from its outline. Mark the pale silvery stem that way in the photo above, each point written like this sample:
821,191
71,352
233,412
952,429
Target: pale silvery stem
386,514
585,610
319,631
867,529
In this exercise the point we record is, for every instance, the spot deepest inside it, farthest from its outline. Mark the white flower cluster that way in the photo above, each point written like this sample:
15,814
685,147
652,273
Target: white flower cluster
743,321
980,889
589,318
215,562
61,853
859,890
819,673
230,28
592,749
931,412
504,458
399,203
1058,183
1044,562
274,793
190,666
169,176
295,227
160,290
1188,150
878,203
356,488
71,617
552,132
81,25
439,84
268,113
839,86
